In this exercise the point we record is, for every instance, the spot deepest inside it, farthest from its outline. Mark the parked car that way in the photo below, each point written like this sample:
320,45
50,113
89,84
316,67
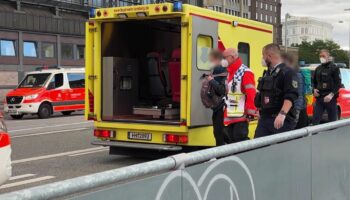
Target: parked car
344,95
5,153
46,91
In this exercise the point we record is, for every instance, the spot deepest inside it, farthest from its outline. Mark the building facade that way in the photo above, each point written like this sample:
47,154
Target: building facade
232,7
38,33
266,11
307,29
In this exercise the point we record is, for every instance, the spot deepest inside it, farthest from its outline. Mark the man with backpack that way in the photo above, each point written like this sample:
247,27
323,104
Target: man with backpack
240,97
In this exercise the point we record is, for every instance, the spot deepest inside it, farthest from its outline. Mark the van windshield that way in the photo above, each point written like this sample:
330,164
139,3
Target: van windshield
34,80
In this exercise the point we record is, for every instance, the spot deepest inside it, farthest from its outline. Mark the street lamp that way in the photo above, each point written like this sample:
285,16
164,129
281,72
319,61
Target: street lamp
285,31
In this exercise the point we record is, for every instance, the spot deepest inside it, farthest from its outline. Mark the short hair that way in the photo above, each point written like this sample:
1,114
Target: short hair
230,52
288,58
273,48
217,54
325,51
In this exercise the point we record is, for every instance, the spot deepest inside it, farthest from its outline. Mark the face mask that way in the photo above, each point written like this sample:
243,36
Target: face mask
224,63
323,60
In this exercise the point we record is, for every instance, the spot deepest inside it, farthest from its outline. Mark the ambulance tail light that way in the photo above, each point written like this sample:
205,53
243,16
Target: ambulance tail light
91,102
171,138
103,133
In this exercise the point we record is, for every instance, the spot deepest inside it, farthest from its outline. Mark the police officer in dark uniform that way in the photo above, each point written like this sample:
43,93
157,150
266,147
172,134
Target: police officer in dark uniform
277,91
326,83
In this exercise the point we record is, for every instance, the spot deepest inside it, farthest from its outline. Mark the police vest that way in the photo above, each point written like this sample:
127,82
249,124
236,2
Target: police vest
270,94
324,79
235,100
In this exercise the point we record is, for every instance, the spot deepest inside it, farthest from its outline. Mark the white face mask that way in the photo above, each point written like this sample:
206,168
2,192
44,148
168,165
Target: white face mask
263,62
323,60
224,63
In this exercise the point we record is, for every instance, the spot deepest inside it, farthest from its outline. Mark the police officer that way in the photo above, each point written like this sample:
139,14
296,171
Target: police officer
326,83
277,90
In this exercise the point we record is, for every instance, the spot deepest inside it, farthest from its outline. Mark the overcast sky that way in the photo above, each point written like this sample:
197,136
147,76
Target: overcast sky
331,11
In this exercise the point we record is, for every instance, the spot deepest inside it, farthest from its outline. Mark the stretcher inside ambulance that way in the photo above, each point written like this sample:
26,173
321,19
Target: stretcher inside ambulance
141,71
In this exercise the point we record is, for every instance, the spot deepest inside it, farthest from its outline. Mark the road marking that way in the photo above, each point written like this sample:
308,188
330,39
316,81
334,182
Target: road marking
9,185
54,118
27,129
57,155
21,176
80,154
50,132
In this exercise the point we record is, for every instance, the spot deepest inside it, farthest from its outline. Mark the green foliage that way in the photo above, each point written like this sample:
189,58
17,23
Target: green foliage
308,51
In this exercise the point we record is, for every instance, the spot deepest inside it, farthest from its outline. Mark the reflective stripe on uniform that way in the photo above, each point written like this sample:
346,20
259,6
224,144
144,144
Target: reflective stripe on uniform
249,86
251,112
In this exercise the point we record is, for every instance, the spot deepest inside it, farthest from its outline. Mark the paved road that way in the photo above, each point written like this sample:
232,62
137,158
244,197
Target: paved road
49,150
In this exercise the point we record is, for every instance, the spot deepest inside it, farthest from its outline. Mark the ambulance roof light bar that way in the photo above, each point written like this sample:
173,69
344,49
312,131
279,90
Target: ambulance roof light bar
46,67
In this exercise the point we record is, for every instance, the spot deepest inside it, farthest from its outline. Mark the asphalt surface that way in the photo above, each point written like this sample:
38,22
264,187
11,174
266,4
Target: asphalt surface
58,148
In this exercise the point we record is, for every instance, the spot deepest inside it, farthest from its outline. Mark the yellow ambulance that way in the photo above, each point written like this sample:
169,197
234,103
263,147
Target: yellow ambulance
143,72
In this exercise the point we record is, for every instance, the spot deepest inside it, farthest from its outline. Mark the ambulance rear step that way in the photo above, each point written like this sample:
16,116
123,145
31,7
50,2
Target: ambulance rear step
135,145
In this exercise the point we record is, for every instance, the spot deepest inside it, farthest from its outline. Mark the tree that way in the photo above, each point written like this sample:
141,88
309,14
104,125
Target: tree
308,51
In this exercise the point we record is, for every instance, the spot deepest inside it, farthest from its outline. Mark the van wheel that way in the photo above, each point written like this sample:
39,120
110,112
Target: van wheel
44,111
17,116
66,113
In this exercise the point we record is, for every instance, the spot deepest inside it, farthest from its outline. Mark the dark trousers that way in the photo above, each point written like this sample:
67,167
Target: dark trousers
266,126
218,125
321,106
237,132
303,119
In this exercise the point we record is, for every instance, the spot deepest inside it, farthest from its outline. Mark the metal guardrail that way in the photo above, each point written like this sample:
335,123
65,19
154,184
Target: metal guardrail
92,181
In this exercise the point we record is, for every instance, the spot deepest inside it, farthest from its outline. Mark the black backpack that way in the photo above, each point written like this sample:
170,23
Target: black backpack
209,97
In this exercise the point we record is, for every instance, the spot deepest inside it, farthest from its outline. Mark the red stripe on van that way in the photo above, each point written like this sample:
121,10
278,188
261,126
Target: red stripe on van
229,22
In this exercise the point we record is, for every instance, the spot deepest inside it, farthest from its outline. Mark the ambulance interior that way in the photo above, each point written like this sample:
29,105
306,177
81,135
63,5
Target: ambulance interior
141,71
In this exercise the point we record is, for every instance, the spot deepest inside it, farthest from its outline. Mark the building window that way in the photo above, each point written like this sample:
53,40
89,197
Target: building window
244,52
67,51
80,52
261,5
271,19
48,50
204,45
76,80
7,48
261,17
30,49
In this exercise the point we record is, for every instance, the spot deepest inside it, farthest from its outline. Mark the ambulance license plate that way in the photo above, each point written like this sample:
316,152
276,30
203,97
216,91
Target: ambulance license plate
139,136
